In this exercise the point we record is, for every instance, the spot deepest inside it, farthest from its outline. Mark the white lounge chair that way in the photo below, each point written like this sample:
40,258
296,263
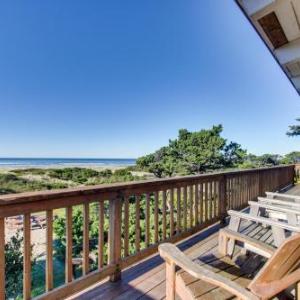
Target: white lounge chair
287,197
277,211
279,229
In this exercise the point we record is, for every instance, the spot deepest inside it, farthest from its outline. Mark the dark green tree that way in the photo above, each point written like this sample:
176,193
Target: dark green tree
192,153
294,130
292,158
234,155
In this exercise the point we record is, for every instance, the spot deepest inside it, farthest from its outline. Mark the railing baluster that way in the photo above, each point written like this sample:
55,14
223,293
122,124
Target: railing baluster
126,226
156,217
178,216
212,199
69,245
185,207
2,259
86,238
171,212
191,196
49,254
147,215
164,216
27,258
137,223
196,204
101,235
201,203
206,200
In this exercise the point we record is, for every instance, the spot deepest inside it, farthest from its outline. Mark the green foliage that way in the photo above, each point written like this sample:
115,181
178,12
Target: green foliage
20,180
30,171
11,183
14,267
78,175
255,161
59,228
92,177
294,130
265,160
234,155
193,152
292,158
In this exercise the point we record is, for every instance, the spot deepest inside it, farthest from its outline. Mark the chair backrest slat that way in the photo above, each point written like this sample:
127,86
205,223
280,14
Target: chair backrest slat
284,261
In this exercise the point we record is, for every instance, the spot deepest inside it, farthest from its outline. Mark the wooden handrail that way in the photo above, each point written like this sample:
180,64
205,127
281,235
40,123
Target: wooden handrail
180,206
126,187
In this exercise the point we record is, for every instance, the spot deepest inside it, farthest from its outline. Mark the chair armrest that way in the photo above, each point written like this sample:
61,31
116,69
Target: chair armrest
274,207
286,196
172,255
283,203
265,249
264,221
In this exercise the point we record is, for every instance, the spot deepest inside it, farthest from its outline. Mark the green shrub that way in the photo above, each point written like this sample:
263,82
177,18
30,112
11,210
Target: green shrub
11,183
14,267
78,175
30,171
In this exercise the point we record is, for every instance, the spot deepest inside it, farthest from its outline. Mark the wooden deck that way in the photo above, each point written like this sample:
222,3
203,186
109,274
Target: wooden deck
146,280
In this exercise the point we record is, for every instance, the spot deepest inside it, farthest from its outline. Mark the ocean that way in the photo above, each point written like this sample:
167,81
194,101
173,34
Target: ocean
64,162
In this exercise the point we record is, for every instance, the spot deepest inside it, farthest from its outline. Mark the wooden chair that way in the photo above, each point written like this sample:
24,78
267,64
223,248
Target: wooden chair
287,203
280,230
280,272
290,214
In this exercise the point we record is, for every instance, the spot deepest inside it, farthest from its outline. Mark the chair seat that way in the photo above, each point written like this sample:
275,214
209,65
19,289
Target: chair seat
241,269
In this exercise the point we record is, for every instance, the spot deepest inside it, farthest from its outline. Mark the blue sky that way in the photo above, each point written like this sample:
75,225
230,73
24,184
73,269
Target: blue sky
119,78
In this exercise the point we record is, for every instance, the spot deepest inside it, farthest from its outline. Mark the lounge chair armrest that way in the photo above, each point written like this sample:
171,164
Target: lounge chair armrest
264,221
283,203
274,207
172,255
285,196
265,249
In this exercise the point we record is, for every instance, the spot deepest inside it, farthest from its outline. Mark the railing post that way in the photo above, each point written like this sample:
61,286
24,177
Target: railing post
223,199
114,236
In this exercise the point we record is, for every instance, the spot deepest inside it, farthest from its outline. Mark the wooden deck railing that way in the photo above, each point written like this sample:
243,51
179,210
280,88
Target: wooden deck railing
140,215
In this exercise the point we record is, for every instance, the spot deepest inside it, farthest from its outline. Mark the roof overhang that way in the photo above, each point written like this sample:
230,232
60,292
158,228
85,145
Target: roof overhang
277,22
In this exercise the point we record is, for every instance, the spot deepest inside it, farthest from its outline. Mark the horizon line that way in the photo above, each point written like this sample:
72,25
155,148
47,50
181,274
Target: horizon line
58,157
